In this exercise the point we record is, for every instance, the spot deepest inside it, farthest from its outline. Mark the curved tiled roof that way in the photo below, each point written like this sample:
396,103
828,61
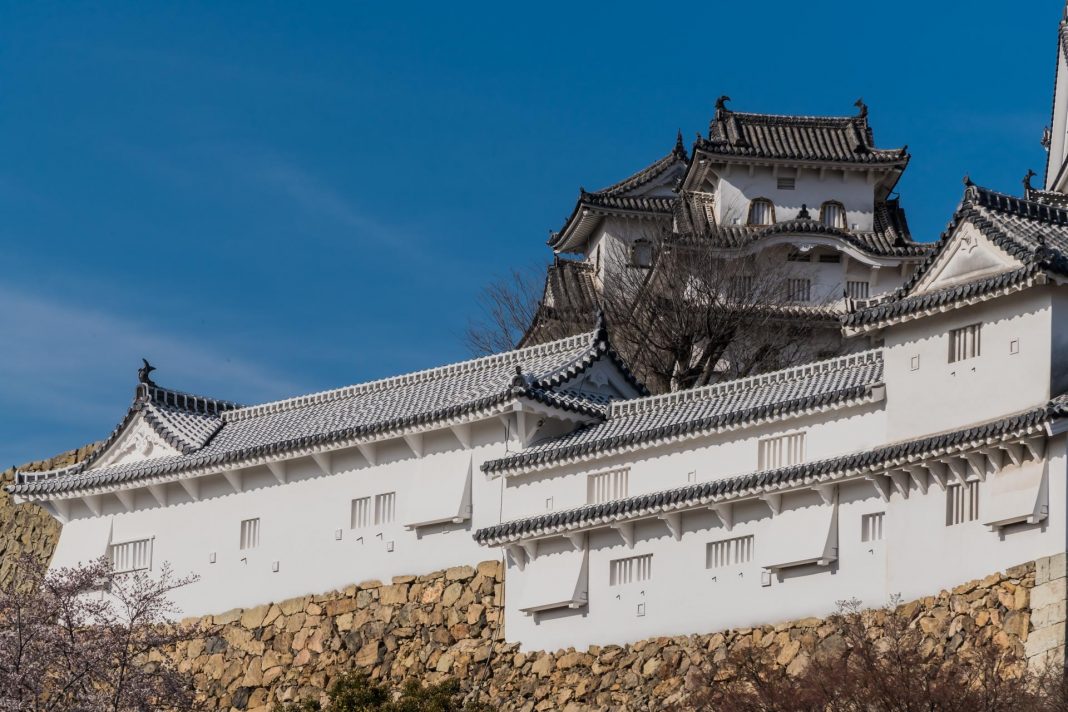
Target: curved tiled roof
692,495
617,198
634,422
369,409
803,138
1032,232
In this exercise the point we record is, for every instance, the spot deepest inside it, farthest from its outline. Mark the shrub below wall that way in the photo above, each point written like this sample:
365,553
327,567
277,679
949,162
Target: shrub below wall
448,625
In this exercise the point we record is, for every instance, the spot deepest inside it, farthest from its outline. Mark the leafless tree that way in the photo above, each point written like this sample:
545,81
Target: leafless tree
87,640
880,662
507,306
683,313
700,314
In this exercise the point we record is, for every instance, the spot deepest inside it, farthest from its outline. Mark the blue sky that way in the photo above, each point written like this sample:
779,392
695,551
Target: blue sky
271,198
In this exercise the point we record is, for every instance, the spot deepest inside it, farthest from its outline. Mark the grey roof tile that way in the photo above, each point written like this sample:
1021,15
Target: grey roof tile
362,410
657,417
797,474
1035,233
805,138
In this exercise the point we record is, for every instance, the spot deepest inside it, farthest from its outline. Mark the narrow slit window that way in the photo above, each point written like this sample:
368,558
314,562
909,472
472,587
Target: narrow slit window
729,552
361,513
871,527
962,503
130,556
250,533
857,289
781,451
964,343
385,508
633,569
607,486
798,290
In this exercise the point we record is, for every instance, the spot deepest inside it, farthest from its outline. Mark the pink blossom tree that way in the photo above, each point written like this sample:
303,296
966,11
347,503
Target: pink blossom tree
86,639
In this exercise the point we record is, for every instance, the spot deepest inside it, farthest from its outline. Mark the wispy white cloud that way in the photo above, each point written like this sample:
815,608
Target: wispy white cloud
66,364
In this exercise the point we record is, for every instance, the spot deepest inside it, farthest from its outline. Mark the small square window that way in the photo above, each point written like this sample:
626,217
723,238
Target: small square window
1014,346
914,364
641,610
691,477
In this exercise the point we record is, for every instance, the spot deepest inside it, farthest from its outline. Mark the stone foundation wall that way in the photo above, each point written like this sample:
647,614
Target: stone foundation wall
28,529
449,625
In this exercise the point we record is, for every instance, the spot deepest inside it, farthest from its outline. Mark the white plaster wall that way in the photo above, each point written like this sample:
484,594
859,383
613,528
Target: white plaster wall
918,556
298,522
736,188
940,395
709,458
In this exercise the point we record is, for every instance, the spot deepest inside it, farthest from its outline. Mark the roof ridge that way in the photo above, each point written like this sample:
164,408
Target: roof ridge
643,405
642,176
170,398
1020,207
588,338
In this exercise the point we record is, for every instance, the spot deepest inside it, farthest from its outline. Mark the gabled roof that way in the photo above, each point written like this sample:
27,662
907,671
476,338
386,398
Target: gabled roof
622,198
649,421
367,410
847,139
1033,233
184,421
731,488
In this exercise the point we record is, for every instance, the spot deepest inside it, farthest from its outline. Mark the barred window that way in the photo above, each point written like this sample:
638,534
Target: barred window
761,212
781,451
833,214
633,569
962,503
607,486
130,556
798,290
964,342
361,513
786,183
729,552
250,533
871,527
385,507
857,290
742,285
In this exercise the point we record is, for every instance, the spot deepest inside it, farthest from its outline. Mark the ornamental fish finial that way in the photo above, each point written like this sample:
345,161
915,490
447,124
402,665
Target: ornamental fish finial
142,373
862,107
721,103
1027,182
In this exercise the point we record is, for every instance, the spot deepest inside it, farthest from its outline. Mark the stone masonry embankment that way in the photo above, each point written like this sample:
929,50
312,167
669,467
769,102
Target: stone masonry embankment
28,529
448,625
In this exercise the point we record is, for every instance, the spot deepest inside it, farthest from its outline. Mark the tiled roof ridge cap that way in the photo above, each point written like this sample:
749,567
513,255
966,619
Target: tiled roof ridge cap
642,176
816,119
409,378
170,398
642,405
1021,207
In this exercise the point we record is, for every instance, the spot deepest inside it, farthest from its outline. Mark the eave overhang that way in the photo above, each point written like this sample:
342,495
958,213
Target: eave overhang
915,459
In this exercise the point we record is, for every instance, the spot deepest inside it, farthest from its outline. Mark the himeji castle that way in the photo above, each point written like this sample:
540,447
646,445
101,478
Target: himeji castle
930,453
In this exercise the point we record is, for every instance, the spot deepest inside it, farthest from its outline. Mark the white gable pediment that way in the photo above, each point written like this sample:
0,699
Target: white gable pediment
968,257
602,380
139,441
